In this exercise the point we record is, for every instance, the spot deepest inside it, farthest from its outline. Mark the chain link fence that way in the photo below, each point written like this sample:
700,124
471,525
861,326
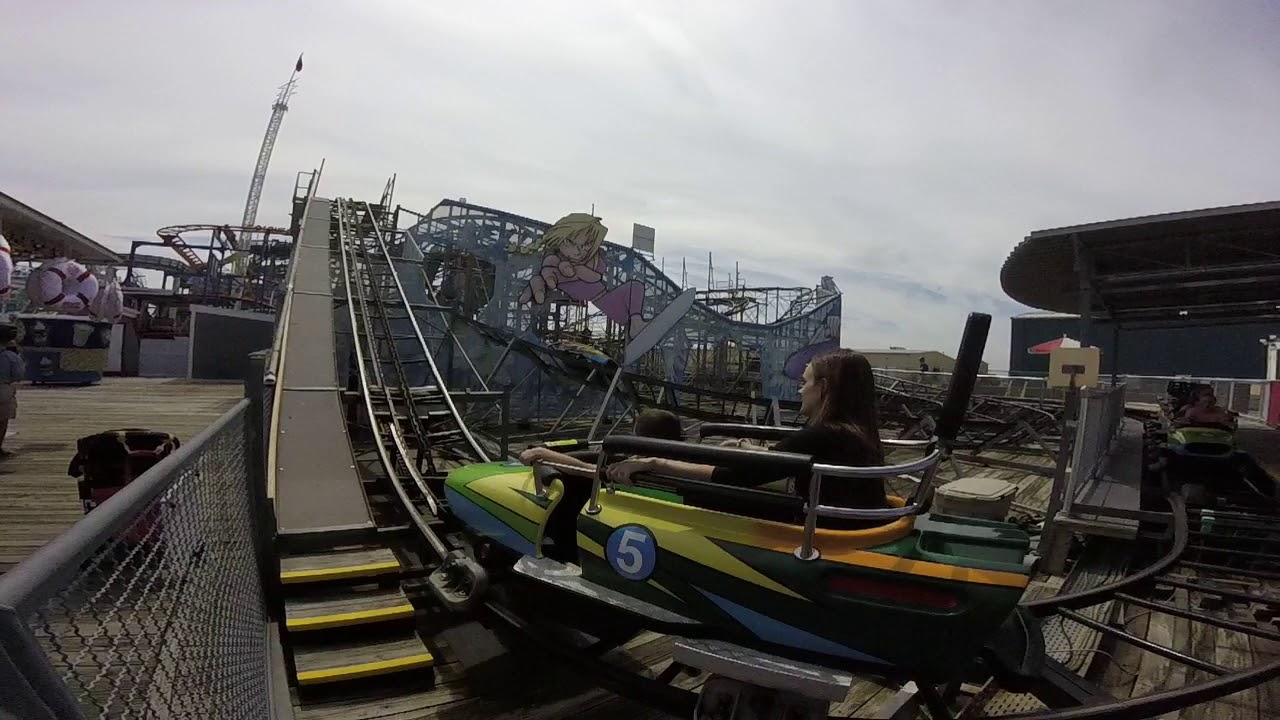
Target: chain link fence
151,606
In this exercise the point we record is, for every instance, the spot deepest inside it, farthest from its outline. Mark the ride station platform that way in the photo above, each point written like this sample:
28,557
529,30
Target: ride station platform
317,485
1106,505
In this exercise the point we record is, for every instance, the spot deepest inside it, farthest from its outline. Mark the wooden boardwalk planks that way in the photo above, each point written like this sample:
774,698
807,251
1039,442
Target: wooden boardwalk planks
38,500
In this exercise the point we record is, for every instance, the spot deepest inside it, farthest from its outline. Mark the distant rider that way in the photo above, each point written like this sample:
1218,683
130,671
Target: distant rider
1204,410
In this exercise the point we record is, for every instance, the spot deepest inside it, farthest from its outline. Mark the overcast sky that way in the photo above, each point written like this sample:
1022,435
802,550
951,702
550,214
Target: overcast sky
903,147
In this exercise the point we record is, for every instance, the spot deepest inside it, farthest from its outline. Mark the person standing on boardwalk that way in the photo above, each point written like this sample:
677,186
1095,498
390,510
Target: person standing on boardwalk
12,372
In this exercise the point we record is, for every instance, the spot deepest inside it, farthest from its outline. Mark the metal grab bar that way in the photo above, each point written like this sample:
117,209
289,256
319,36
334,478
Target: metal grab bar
927,465
540,489
593,505
813,509
877,471
571,469
770,432
926,445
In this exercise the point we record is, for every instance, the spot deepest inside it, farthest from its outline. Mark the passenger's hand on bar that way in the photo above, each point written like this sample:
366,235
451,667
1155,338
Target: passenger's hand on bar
622,472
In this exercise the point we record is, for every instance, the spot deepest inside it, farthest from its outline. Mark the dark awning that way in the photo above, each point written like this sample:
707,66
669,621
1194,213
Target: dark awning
33,235
1196,265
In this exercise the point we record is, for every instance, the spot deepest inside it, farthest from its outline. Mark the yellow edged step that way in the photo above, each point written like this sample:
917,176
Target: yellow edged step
346,609
345,565
352,661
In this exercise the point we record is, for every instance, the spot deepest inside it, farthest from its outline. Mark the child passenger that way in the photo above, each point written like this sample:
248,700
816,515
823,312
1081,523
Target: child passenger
651,423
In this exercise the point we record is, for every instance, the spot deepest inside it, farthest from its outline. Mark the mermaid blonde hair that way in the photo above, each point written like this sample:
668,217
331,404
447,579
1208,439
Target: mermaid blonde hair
569,226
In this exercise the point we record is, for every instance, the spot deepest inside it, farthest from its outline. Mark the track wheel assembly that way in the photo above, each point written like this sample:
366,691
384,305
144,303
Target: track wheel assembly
460,582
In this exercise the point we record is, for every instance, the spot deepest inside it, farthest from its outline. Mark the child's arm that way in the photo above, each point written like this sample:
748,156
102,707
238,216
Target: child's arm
585,271
542,454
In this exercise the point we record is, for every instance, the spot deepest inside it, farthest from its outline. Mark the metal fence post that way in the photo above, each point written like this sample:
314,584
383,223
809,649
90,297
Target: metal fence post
262,516
1066,442
260,394
1082,446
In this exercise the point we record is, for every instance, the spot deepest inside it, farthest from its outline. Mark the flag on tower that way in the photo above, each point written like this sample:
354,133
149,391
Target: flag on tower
298,67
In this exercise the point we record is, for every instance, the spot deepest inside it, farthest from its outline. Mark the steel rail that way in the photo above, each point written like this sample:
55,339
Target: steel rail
429,536
431,363
397,434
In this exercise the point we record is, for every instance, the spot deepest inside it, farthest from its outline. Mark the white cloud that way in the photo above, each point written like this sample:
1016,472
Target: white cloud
903,148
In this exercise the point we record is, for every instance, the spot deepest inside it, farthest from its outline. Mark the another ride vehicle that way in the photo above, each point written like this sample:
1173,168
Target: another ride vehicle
1196,450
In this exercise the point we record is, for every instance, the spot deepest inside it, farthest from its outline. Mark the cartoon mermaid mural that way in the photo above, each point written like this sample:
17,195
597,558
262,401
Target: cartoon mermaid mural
825,338
574,265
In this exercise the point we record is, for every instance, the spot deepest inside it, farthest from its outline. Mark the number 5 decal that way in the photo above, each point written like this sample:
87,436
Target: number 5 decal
632,552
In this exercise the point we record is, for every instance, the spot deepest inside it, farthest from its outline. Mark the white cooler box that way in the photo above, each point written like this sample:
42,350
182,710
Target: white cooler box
976,497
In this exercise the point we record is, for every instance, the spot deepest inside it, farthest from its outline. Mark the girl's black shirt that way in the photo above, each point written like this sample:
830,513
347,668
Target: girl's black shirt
826,445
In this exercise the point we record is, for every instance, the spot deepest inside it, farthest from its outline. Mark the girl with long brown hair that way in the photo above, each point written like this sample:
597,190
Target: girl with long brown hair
838,396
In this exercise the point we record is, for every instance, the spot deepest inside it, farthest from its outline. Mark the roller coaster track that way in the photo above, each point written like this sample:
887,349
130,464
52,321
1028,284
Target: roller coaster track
989,421
418,431
906,407
1167,587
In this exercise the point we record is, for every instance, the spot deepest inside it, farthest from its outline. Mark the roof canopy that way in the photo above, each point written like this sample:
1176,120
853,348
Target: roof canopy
33,235
1215,264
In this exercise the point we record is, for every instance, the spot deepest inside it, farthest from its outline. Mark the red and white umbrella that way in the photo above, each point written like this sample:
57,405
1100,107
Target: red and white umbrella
1045,348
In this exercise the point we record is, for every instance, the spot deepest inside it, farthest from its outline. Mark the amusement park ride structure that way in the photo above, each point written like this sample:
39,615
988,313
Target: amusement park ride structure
241,267
738,341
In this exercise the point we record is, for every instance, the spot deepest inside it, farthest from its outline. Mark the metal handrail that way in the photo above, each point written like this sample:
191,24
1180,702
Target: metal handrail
926,445
747,429
272,365
813,509
52,568
540,489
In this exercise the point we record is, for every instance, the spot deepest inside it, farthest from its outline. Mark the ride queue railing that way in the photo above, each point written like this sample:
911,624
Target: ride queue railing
1099,419
1245,396
152,605
303,204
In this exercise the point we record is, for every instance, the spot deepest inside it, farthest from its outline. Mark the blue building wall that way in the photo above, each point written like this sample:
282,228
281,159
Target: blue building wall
1230,351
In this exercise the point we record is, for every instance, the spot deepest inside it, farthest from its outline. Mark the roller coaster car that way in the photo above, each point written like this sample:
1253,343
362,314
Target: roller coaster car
871,599
1203,440
913,593
1210,441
